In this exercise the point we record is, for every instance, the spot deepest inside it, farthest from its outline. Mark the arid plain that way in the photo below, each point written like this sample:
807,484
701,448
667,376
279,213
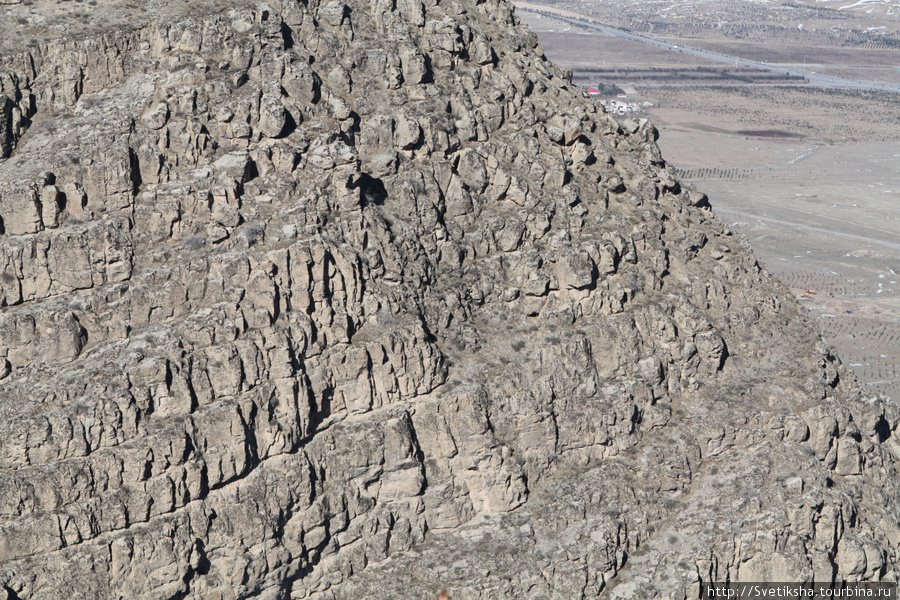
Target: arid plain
810,175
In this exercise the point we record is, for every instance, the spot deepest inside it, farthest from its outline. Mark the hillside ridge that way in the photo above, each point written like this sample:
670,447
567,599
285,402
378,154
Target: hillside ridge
365,299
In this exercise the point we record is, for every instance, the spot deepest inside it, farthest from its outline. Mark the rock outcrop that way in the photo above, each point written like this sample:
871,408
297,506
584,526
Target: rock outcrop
365,299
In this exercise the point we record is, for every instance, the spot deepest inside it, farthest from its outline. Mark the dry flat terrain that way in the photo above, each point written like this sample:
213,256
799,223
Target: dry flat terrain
822,217
810,175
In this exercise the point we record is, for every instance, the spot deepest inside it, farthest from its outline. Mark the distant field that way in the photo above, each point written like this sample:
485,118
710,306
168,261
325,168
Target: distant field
852,63
577,47
827,115
874,23
810,176
858,42
820,216
682,76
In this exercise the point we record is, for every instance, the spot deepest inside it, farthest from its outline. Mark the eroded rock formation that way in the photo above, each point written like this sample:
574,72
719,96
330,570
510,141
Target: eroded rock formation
365,299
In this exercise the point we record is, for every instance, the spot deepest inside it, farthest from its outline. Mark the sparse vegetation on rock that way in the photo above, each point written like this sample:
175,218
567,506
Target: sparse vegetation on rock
365,300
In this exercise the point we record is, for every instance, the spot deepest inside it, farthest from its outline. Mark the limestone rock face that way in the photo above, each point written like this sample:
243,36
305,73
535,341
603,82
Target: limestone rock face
365,300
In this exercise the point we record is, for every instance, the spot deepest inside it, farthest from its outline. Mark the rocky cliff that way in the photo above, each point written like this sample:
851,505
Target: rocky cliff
359,299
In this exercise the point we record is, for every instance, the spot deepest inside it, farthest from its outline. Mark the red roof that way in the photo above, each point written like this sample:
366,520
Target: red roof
593,91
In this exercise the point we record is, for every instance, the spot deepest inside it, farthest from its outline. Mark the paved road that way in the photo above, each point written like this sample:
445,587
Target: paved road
813,79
